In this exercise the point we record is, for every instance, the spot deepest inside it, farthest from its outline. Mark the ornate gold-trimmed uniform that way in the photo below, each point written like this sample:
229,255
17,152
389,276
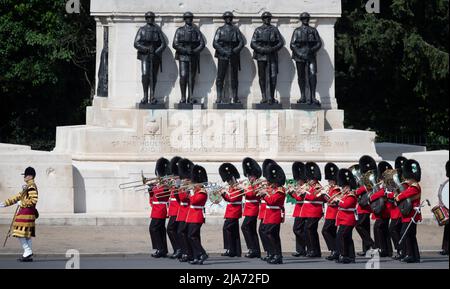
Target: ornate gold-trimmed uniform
24,222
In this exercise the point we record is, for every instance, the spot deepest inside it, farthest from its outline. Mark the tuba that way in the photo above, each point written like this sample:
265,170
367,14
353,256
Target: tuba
356,173
393,183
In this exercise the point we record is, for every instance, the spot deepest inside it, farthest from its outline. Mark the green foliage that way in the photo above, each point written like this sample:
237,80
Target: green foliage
396,64
47,63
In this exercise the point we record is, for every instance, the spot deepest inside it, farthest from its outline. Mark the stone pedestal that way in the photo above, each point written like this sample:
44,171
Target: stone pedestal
150,106
229,106
303,106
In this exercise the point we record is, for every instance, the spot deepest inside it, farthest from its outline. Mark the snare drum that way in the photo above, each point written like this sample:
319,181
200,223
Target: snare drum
441,214
441,211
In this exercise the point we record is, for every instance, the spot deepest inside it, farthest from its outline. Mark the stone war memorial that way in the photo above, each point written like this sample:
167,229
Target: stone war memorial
200,90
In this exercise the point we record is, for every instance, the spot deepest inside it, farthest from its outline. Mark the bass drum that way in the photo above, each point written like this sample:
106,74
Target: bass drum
443,195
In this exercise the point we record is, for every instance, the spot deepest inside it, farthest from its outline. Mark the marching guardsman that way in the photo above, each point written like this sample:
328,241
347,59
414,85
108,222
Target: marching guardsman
159,200
299,228
274,214
381,215
395,226
233,212
253,172
262,211
412,174
174,206
23,226
366,163
445,239
346,217
329,230
184,170
196,215
312,209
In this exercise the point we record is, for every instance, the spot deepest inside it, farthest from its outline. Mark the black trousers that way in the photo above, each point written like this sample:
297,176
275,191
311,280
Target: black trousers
344,242
312,236
395,228
381,234
299,229
172,227
329,232
445,240
250,235
157,231
263,237
195,240
231,238
182,232
410,240
272,232
363,229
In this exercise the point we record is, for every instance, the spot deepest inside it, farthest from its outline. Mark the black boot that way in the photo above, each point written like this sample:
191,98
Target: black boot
176,255
267,258
253,254
226,253
334,256
277,259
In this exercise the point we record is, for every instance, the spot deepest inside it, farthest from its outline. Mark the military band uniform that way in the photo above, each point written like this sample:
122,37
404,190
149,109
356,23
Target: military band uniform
23,225
251,210
158,202
233,212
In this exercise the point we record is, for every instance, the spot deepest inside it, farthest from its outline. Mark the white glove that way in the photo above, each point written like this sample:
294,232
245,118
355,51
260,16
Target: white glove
19,203
2,205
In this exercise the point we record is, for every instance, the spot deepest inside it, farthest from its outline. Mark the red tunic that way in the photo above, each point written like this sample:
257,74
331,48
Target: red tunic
313,205
183,200
365,209
173,203
274,213
159,200
234,207
332,210
251,208
263,205
393,209
385,214
347,210
298,205
413,191
197,207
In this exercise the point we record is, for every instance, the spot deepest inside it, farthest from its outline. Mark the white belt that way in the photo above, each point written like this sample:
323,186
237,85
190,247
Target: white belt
347,210
184,204
235,203
273,207
197,207
251,201
313,202
160,203
300,202
173,200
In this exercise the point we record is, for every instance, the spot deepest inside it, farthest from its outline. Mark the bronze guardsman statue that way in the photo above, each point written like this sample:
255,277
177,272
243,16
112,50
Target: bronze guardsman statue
150,43
228,43
305,44
266,43
188,43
